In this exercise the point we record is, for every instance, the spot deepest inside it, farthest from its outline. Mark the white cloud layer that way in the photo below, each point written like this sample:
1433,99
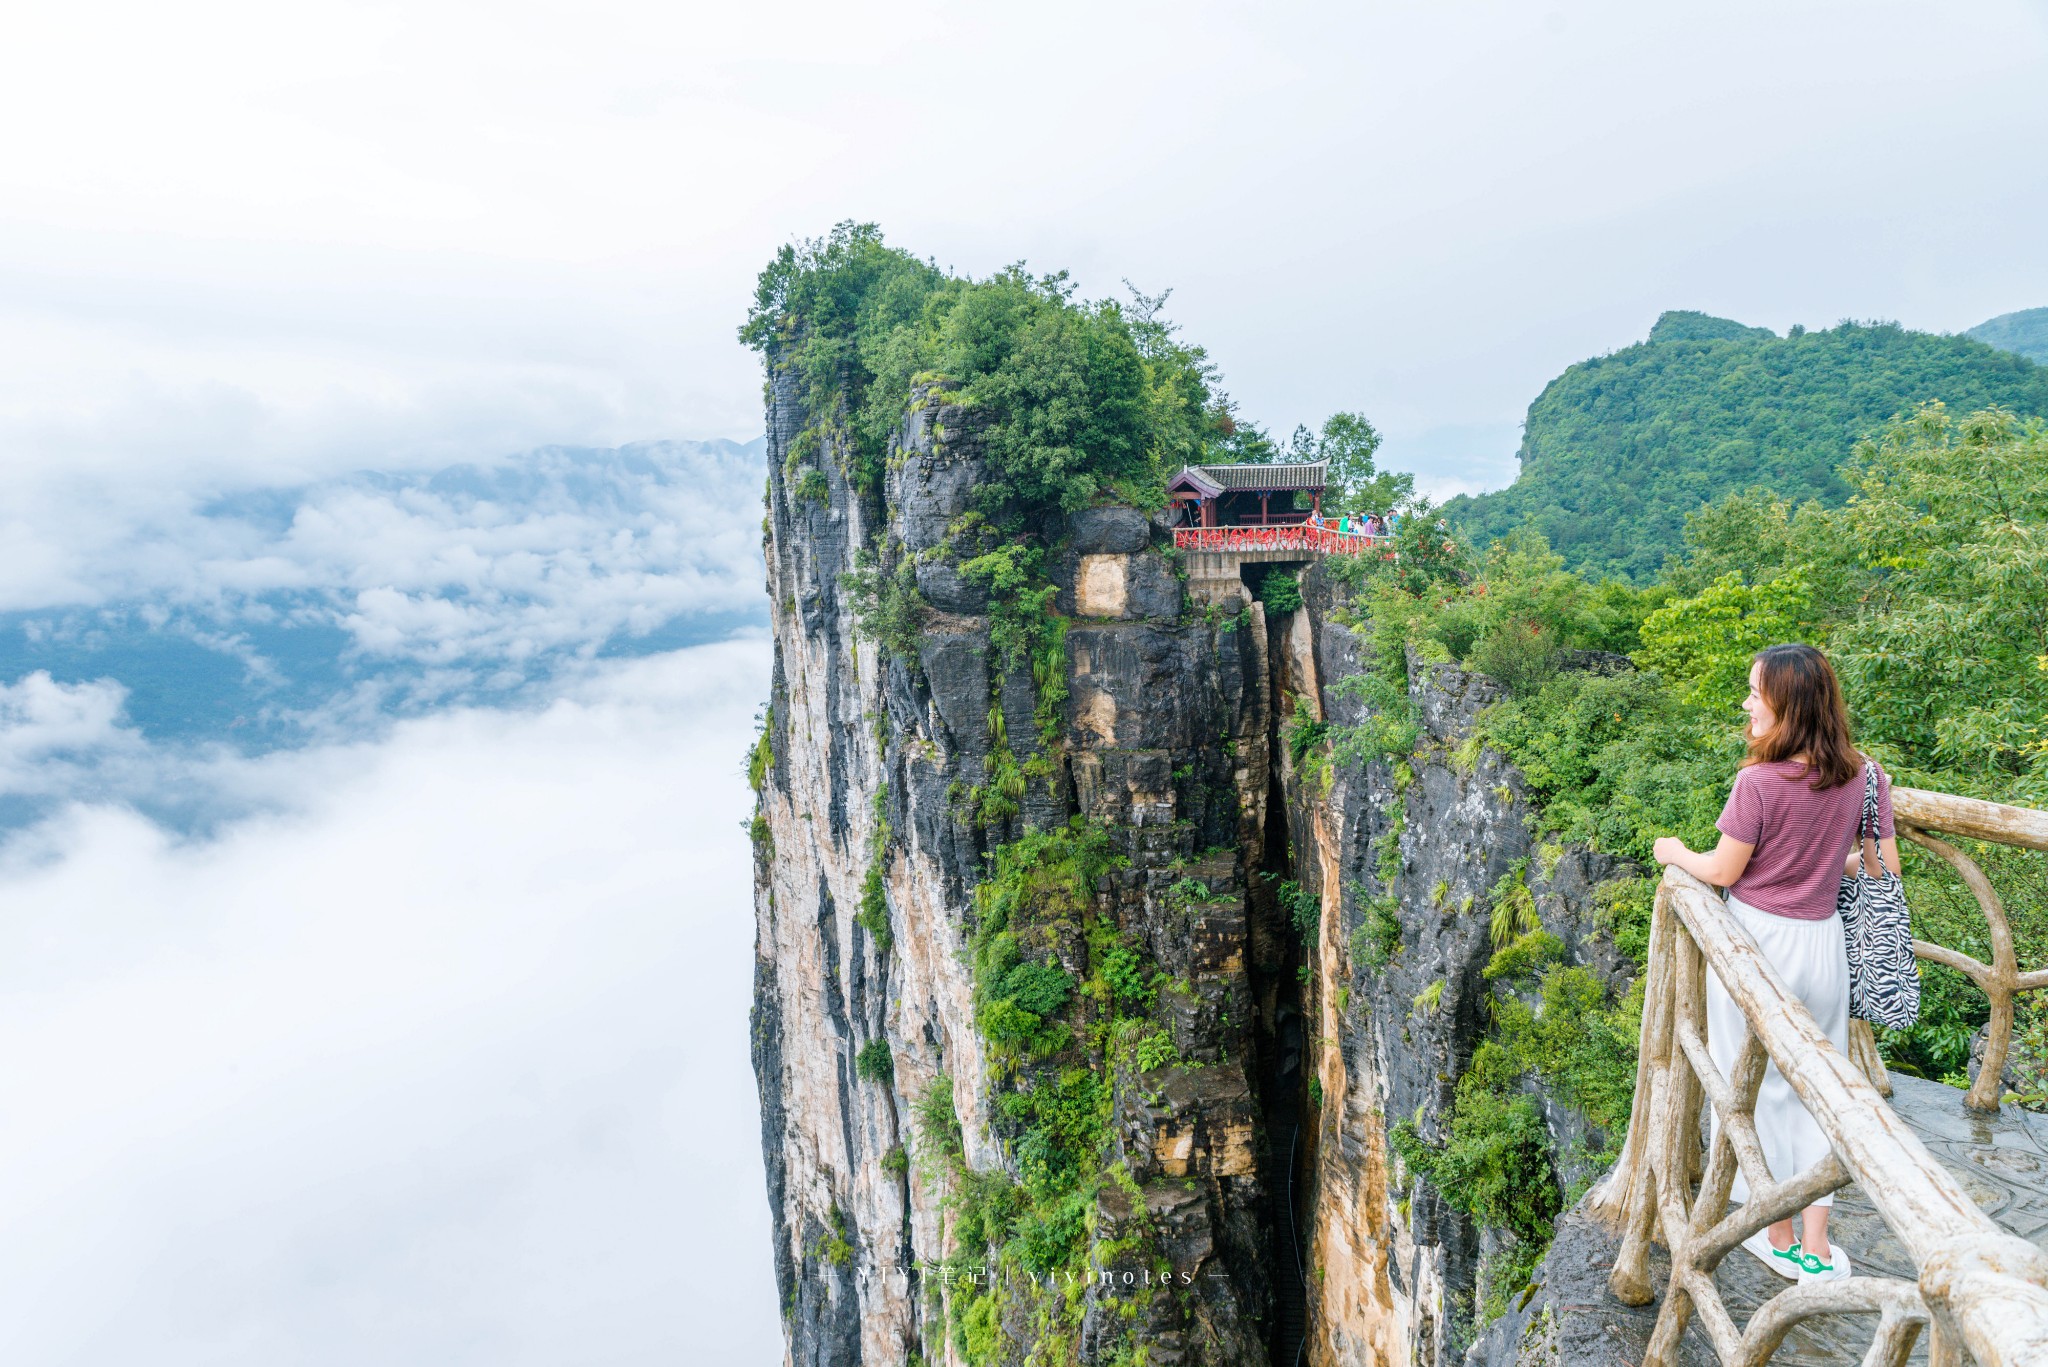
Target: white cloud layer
249,617
445,1064
552,548
48,728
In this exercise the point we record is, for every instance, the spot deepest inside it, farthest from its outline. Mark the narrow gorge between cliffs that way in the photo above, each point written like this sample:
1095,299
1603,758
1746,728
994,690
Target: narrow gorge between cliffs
1091,986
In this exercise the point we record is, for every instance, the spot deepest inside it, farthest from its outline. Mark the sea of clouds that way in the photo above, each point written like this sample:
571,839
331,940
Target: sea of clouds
146,630
376,915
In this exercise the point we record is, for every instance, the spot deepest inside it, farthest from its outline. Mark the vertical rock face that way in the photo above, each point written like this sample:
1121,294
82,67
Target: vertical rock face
1403,856
1258,1150
1162,741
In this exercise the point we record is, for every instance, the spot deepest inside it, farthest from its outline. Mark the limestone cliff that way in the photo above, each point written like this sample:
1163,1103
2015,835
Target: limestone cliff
1405,857
1163,742
1250,1074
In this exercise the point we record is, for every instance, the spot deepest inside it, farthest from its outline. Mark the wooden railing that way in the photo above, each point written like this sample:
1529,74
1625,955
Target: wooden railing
1978,1286
1299,536
1917,812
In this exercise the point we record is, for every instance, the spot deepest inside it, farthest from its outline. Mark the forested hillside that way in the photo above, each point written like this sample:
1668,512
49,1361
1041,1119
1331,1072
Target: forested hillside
1618,449
2025,332
1929,593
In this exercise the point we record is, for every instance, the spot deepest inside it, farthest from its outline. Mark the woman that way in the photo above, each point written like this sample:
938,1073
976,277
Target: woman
1788,835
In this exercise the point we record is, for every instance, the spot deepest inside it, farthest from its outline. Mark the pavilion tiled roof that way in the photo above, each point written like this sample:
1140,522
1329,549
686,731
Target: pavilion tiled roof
1262,478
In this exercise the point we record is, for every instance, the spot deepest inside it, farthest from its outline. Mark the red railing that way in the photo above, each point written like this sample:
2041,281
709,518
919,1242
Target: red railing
1301,536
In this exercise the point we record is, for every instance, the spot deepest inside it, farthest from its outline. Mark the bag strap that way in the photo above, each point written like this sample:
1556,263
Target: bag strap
1867,822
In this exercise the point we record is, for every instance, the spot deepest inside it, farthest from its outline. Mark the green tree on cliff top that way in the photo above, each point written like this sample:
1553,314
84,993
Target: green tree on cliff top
1080,398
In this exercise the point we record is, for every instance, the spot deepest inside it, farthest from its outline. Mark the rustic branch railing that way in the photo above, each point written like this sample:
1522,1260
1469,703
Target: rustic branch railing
1979,1287
1918,812
1299,536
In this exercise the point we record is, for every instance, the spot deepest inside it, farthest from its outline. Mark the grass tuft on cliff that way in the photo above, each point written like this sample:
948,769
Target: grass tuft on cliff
1061,1038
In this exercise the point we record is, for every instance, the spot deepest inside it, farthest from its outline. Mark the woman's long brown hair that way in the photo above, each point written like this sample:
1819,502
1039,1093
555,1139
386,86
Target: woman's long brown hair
1800,686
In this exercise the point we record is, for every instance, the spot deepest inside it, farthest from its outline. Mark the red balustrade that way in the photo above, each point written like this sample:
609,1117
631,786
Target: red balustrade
1300,536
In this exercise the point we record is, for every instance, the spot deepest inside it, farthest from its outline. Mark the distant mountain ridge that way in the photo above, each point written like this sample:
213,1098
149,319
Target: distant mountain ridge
1618,449
2025,332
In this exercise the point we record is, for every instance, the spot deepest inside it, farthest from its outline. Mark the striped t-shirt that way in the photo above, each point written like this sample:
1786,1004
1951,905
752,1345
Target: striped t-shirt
1802,837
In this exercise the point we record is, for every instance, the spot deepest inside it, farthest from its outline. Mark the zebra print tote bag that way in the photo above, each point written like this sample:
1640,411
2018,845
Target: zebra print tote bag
1884,981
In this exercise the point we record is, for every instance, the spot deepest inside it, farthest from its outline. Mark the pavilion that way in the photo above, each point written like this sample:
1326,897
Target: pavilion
1245,495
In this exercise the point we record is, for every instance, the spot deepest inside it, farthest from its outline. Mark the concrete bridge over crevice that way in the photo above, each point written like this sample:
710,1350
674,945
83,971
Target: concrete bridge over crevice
1216,578
1215,557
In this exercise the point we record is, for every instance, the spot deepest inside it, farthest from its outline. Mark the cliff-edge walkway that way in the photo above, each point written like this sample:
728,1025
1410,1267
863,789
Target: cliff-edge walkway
1943,1196
2000,1160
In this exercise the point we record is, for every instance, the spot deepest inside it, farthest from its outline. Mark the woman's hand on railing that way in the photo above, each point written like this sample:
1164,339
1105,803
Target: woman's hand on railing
1720,866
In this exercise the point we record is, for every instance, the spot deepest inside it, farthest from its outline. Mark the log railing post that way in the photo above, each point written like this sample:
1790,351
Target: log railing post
1918,812
1625,1200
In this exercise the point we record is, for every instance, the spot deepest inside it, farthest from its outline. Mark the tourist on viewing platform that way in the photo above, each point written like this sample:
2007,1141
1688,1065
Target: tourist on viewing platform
1788,833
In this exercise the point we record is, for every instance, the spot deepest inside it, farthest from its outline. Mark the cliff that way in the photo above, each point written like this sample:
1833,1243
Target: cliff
1094,996
1437,905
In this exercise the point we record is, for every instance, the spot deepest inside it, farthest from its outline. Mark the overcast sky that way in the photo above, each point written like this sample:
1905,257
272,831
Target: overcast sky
435,1052
294,234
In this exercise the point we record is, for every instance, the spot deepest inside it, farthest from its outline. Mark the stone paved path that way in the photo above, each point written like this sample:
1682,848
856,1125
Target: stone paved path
2002,1162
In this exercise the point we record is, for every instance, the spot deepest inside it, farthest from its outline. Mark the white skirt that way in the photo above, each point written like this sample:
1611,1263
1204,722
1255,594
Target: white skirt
1812,959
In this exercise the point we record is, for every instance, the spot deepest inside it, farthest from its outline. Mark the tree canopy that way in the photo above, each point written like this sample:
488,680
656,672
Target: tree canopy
1929,590
1084,398
1686,325
1356,483
1080,396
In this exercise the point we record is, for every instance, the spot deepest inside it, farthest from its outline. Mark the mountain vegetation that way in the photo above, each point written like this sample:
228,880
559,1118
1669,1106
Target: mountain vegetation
2025,332
1618,450
1682,503
1085,398
1689,325
1928,589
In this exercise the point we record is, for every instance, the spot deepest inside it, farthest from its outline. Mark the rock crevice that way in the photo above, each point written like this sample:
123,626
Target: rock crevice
1254,1160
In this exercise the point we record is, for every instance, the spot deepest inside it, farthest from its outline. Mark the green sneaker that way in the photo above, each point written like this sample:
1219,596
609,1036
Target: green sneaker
1812,1269
1783,1261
